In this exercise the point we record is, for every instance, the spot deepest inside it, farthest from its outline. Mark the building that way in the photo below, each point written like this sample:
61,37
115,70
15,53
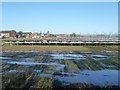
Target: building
35,35
27,34
8,34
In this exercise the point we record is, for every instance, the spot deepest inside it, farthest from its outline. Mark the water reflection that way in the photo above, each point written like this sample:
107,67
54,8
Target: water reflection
68,56
104,77
78,56
59,66
99,57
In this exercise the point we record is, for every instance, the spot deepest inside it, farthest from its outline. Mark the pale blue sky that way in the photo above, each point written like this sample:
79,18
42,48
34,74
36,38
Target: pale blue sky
84,18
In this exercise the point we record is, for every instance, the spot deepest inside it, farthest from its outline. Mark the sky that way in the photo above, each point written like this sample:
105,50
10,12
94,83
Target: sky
61,17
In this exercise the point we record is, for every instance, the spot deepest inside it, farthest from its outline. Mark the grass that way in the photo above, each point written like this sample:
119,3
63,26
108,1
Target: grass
59,48
43,83
70,65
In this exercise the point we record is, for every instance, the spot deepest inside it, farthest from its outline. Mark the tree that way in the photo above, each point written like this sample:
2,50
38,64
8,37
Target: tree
73,35
20,33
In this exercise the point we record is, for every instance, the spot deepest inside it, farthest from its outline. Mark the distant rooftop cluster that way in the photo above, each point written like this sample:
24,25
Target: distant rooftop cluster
21,34
30,38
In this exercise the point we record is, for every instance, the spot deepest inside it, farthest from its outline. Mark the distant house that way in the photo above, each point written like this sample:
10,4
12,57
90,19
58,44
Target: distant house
27,34
42,34
35,35
8,34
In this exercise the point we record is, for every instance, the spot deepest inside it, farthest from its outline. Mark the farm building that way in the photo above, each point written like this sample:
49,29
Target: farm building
8,34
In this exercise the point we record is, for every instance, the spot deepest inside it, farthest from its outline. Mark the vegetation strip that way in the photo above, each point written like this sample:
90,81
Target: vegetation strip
62,48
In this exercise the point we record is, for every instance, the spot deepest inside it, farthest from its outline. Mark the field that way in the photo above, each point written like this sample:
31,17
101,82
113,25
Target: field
59,48
51,67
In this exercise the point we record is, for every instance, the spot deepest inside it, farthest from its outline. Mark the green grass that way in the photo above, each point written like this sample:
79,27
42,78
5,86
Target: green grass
43,83
70,65
59,48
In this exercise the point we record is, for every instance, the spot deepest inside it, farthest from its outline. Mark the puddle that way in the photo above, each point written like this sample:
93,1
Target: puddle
32,63
5,58
77,56
101,78
59,66
99,57
68,56
45,75
14,71
38,71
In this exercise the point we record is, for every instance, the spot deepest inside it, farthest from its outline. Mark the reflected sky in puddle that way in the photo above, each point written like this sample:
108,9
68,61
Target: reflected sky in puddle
62,56
99,57
14,71
5,58
45,75
67,56
26,59
59,66
32,63
78,56
101,77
